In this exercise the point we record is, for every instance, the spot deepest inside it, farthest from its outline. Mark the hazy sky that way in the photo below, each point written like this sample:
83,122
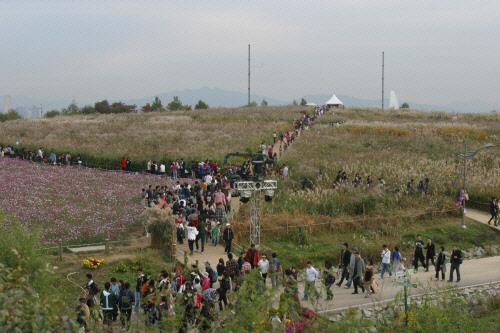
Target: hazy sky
436,52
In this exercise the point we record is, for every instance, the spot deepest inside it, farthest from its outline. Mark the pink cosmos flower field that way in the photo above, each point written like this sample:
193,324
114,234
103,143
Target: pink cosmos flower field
72,204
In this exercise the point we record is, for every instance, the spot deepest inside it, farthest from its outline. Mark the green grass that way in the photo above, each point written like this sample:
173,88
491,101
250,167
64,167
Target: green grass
489,323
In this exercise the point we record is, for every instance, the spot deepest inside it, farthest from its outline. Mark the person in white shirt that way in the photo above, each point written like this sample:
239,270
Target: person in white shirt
264,267
386,261
191,235
311,276
162,169
208,179
285,171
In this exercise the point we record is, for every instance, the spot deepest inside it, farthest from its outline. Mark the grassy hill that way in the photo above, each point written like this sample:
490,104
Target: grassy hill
167,136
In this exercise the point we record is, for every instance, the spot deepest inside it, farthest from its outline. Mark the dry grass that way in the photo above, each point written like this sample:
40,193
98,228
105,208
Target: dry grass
193,134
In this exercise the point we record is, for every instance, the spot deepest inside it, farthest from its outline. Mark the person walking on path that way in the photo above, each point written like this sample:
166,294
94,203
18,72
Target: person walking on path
264,267
108,301
386,261
191,235
228,237
329,273
456,261
418,254
275,270
311,276
349,268
345,257
253,256
396,260
431,253
357,271
368,277
493,211
441,264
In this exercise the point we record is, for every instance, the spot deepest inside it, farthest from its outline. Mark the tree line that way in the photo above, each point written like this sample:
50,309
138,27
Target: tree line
104,107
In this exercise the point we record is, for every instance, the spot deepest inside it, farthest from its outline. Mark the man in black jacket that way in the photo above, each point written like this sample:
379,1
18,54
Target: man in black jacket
228,237
456,261
345,257
138,289
493,211
431,253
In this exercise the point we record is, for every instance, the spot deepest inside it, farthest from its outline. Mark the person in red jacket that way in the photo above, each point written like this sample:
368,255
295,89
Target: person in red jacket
253,256
123,162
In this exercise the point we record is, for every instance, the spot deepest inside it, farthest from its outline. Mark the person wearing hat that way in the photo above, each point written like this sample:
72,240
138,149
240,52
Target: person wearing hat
228,237
206,283
264,267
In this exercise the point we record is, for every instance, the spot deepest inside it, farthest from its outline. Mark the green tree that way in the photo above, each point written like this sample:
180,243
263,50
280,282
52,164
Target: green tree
10,115
102,107
405,106
252,104
156,106
175,105
294,102
70,110
303,102
88,109
52,114
263,103
119,107
201,105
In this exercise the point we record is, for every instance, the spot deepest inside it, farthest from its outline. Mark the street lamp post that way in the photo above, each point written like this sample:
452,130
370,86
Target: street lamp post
468,155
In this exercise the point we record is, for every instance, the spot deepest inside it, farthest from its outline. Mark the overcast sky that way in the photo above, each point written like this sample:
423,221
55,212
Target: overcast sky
436,52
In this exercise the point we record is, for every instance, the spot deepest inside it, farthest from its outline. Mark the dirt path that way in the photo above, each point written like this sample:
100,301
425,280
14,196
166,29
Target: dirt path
479,216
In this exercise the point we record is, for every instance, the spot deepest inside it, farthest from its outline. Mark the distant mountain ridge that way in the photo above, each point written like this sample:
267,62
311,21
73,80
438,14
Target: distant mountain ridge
216,97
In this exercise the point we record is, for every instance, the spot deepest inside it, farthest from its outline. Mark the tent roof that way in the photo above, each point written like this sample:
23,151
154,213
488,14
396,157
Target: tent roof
334,101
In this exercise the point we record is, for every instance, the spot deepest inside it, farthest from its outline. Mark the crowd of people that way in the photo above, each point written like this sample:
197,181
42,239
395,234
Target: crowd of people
40,156
199,291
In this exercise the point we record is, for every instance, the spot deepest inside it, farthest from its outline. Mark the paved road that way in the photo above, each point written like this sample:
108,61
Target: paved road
479,216
473,272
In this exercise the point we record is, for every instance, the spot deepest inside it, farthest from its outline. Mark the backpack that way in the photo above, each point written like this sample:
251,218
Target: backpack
96,288
125,302
330,279
226,284
273,266
215,276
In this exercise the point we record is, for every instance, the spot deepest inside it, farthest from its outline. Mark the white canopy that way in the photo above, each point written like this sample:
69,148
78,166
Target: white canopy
334,101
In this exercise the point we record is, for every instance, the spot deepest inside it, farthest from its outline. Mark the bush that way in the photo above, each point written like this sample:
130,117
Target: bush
201,105
52,114
19,241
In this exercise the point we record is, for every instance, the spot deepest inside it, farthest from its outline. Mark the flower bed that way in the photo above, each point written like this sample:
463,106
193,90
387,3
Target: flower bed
92,263
70,204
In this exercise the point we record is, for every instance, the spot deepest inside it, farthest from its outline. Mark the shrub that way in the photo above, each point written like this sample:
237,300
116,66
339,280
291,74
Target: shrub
19,241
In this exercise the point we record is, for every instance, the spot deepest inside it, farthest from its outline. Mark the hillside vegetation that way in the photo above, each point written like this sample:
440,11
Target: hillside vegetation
165,136
396,146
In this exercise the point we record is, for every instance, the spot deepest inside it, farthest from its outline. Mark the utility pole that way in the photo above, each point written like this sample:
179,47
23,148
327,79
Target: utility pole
465,186
248,74
382,81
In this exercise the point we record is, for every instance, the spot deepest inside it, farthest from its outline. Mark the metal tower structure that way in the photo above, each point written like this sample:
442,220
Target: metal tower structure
253,190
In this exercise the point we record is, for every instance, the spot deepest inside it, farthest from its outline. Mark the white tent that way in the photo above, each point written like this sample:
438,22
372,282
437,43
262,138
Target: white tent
334,101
